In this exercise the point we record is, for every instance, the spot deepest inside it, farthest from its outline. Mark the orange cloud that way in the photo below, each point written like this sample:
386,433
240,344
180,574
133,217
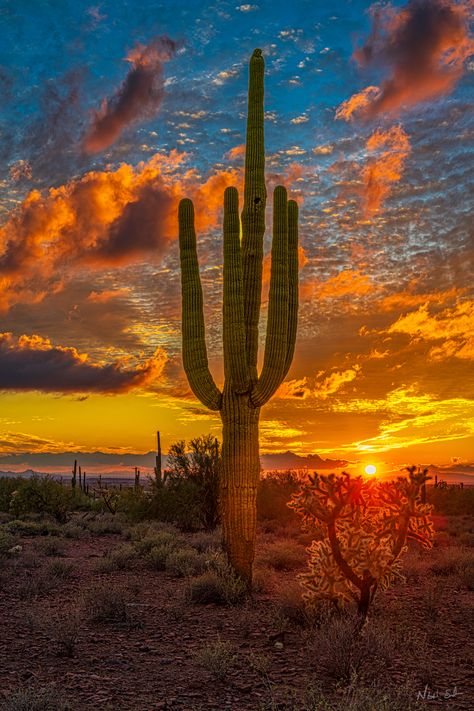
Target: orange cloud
335,381
405,299
350,282
358,103
235,152
294,389
384,168
104,218
34,363
138,98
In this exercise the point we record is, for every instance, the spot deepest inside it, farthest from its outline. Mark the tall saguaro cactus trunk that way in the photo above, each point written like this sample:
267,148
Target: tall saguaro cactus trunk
244,390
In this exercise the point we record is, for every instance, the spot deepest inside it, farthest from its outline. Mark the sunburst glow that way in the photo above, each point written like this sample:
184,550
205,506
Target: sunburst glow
370,469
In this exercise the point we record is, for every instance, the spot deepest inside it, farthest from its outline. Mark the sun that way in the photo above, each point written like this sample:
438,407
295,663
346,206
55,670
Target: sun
370,469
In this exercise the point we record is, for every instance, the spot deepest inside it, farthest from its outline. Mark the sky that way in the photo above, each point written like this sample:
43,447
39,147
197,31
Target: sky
112,112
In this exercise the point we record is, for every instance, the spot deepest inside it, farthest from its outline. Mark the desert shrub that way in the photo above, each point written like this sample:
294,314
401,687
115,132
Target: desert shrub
183,562
51,547
32,586
123,557
289,604
74,530
218,658
283,555
7,486
157,556
107,603
451,501
341,648
146,542
61,569
104,525
452,560
219,584
205,541
363,526
41,495
275,490
198,464
62,628
35,698
7,542
33,528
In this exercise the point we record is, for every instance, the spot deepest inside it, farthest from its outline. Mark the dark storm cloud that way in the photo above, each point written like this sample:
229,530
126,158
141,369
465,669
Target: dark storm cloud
423,44
34,363
138,98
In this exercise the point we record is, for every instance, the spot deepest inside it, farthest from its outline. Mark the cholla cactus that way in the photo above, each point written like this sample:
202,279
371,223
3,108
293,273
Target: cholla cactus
244,391
362,526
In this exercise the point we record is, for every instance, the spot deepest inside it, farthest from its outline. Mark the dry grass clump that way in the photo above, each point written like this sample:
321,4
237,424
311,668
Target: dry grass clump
283,555
36,698
61,569
107,603
452,560
219,584
184,562
62,628
341,649
123,557
218,658
35,585
53,547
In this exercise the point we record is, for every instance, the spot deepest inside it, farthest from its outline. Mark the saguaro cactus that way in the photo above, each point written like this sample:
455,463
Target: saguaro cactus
244,391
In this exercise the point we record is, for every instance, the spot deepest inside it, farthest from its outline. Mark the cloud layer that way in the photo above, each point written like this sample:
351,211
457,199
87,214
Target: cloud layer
34,363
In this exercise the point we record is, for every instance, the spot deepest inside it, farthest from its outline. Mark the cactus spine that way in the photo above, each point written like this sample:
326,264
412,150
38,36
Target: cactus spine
244,391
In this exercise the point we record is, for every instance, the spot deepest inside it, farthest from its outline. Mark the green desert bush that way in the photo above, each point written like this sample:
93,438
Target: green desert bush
41,495
7,542
123,557
33,528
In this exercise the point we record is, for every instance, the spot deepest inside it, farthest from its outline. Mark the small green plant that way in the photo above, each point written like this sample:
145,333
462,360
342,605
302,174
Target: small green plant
362,526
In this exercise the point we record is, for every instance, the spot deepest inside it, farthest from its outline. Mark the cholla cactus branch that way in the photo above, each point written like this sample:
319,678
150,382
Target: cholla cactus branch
365,526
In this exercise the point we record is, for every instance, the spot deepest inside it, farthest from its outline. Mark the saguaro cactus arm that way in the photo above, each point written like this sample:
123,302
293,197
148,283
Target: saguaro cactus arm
235,360
253,212
194,341
276,345
292,282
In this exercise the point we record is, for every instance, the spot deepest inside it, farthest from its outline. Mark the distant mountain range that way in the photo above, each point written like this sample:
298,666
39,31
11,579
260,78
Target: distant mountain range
122,465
